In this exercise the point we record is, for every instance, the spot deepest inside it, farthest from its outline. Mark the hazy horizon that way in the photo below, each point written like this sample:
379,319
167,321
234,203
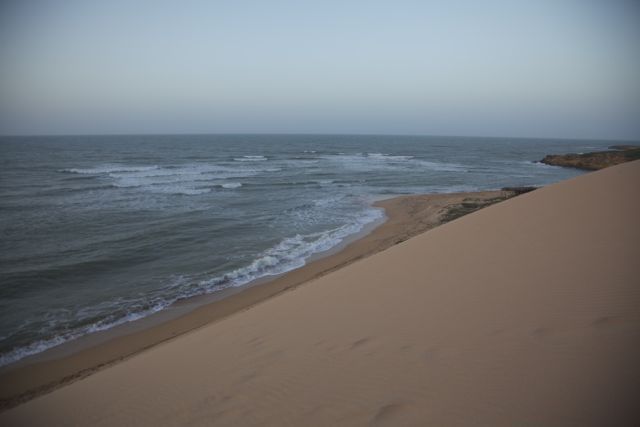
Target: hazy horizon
417,135
549,69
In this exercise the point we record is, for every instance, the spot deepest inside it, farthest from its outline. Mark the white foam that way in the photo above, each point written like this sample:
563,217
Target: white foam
232,185
290,253
539,164
250,159
45,344
188,179
380,161
382,156
109,169
33,348
298,162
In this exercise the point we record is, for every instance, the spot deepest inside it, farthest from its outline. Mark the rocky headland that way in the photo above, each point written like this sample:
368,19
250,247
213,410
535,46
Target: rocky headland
595,160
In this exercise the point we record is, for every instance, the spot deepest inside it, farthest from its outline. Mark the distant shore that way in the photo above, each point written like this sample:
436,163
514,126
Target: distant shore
596,160
407,216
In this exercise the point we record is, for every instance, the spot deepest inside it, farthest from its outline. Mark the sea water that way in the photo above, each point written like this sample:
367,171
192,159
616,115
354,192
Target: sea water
96,231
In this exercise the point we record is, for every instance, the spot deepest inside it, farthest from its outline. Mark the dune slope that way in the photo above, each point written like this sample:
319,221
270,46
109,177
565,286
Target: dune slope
523,313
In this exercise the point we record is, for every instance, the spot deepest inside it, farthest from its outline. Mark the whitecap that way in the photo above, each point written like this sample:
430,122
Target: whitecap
231,185
388,157
109,169
250,159
187,179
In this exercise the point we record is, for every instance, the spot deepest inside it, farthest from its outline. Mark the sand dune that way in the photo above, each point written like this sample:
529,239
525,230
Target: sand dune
407,216
523,313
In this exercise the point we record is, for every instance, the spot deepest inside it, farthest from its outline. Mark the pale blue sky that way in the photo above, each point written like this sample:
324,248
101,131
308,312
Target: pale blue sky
545,68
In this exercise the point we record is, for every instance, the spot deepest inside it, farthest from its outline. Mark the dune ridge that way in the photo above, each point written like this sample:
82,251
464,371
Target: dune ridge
522,313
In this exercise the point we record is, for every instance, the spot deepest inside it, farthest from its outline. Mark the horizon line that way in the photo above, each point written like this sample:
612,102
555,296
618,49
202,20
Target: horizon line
41,135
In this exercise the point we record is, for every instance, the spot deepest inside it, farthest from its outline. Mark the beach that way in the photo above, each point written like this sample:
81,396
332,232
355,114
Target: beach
407,216
522,313
93,243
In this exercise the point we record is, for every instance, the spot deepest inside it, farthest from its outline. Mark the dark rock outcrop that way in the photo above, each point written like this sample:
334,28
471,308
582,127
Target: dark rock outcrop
519,190
595,160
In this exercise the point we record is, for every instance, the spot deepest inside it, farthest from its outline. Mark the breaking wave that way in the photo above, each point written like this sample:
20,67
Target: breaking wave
190,179
290,253
250,159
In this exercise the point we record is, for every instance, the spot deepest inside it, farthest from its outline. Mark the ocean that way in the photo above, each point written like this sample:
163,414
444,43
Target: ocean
97,231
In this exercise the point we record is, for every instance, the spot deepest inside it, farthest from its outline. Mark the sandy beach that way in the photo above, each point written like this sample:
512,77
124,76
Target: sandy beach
406,216
526,312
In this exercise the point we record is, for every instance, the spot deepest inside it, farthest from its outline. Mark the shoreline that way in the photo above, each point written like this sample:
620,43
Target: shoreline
406,216
525,313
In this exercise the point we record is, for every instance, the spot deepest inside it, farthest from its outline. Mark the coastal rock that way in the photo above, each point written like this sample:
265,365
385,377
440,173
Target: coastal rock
624,147
519,190
595,160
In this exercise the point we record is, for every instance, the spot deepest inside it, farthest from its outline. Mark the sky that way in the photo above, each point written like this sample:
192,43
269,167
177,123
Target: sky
543,68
